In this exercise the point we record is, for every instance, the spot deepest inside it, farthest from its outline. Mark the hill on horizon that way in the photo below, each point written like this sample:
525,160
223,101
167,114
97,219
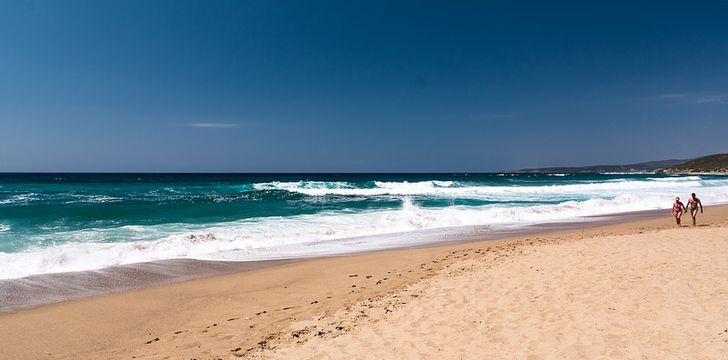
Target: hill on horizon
716,163
649,166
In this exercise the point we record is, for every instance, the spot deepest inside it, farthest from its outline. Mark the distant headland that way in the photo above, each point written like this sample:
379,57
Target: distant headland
710,164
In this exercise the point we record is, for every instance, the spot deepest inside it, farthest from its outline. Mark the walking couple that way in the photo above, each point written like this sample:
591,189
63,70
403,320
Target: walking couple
693,203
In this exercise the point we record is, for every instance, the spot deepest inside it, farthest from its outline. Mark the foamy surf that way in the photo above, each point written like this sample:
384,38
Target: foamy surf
467,189
329,219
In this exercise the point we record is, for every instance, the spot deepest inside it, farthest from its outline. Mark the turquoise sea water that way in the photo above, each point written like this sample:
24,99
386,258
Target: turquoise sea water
69,222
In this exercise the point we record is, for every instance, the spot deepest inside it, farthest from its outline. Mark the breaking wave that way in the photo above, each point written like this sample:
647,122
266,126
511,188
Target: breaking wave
333,230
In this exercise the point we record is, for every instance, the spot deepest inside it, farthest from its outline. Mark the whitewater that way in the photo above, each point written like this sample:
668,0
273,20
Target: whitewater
59,222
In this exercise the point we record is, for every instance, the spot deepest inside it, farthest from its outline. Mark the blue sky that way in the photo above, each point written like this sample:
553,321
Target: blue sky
257,86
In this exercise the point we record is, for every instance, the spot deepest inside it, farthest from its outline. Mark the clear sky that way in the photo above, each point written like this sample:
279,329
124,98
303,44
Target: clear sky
254,86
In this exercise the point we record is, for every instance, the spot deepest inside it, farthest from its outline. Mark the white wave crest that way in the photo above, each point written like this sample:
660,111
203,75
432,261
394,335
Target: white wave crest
465,190
332,232
95,199
291,186
307,235
20,199
677,177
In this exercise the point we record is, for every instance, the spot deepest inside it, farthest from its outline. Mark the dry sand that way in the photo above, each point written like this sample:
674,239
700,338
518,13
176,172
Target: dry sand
636,290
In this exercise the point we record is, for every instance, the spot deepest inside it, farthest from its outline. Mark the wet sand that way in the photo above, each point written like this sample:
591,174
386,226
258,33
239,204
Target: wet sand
31,291
363,305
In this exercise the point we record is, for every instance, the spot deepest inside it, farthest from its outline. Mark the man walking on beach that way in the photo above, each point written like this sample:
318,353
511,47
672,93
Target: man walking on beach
693,204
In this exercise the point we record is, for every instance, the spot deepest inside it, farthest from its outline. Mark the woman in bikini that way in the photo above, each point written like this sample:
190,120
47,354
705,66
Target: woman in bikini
677,210
693,203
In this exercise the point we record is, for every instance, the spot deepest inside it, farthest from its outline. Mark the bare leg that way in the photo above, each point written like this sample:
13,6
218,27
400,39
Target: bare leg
694,213
678,215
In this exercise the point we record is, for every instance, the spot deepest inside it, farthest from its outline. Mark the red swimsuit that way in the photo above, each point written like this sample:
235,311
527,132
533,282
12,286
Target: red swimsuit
677,207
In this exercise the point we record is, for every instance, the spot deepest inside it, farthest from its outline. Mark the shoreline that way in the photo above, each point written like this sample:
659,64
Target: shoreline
213,316
44,289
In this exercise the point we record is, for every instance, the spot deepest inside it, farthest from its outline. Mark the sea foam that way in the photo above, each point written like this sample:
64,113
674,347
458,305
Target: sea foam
331,232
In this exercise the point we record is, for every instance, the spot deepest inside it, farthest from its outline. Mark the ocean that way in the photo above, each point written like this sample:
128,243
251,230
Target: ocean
51,223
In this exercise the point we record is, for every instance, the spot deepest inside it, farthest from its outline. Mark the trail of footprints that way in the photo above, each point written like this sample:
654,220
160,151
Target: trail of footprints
359,312
237,351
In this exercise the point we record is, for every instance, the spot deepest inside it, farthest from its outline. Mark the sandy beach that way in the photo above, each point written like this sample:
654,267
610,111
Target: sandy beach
640,289
254,180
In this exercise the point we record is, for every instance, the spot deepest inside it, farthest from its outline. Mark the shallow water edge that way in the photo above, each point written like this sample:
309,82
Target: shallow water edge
36,290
